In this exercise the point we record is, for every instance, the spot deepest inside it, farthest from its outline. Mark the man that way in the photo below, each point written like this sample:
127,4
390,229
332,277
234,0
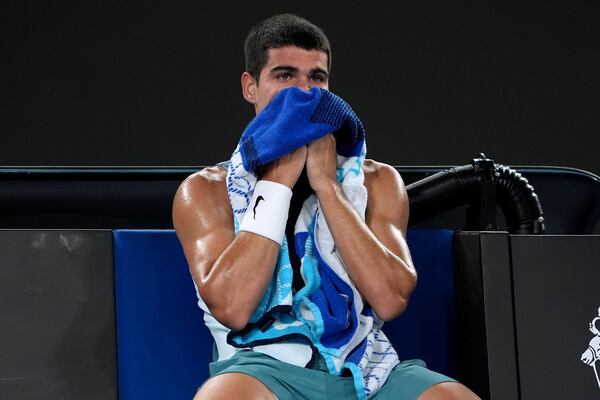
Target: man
232,272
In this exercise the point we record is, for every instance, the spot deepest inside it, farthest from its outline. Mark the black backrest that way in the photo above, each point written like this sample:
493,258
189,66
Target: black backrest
141,197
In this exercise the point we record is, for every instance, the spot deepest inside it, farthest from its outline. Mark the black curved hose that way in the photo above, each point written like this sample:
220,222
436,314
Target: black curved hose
463,185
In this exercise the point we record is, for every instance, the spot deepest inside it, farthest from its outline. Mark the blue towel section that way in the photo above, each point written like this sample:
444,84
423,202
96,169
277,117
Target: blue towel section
163,345
164,348
295,118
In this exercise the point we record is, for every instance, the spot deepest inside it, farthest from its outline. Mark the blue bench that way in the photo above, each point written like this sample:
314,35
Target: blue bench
163,347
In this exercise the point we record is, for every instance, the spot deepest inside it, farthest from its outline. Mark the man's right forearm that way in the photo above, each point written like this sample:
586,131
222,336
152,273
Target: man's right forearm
238,278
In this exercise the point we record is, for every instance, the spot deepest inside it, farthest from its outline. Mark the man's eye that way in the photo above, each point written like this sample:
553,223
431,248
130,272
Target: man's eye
318,78
285,76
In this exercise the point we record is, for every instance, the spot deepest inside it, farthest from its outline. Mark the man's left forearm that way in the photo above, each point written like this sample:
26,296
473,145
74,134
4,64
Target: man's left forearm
384,279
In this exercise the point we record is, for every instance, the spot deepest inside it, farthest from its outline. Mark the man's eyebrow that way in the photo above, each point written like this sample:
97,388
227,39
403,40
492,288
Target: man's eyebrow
286,68
289,68
319,71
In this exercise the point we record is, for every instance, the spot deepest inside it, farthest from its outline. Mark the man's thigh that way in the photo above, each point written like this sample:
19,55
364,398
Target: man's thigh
234,385
282,380
409,380
448,391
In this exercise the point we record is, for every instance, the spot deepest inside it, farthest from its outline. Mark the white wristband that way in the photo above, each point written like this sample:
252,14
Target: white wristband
267,212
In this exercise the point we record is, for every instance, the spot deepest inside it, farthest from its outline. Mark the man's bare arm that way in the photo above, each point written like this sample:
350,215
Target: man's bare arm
231,272
374,253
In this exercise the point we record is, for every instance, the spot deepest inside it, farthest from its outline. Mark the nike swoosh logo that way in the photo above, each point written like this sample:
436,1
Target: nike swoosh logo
258,199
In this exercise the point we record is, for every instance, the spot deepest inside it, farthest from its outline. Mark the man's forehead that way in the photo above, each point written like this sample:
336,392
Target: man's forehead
296,57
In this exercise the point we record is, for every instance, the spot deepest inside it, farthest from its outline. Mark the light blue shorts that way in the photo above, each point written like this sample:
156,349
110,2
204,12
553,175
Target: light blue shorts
407,380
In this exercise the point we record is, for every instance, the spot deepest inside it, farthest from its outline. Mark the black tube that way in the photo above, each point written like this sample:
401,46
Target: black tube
441,192
518,201
463,186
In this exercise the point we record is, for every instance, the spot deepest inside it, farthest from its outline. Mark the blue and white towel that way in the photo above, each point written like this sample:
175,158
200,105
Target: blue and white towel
327,314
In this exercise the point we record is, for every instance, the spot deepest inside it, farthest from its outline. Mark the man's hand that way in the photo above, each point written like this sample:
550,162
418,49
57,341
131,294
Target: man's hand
321,163
287,169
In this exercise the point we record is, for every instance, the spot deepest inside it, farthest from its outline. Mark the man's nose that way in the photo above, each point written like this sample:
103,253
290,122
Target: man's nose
304,84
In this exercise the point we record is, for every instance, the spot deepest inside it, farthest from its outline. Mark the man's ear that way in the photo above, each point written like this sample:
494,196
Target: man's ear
249,86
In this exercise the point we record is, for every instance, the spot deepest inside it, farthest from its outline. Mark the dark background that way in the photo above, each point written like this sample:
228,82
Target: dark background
156,84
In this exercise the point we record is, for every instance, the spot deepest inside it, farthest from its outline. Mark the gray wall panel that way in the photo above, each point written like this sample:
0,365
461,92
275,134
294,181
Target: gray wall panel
556,297
487,355
502,362
57,311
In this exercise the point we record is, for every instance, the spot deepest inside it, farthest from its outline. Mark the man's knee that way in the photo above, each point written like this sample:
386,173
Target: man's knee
234,386
448,391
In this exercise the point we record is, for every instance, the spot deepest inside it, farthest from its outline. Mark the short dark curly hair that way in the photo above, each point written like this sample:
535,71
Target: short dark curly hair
279,31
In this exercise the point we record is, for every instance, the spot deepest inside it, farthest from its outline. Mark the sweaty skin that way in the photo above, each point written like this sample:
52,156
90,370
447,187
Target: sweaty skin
224,266
232,272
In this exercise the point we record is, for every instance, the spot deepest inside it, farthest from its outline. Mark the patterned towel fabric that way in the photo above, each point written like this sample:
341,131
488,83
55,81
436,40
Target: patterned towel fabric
328,313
